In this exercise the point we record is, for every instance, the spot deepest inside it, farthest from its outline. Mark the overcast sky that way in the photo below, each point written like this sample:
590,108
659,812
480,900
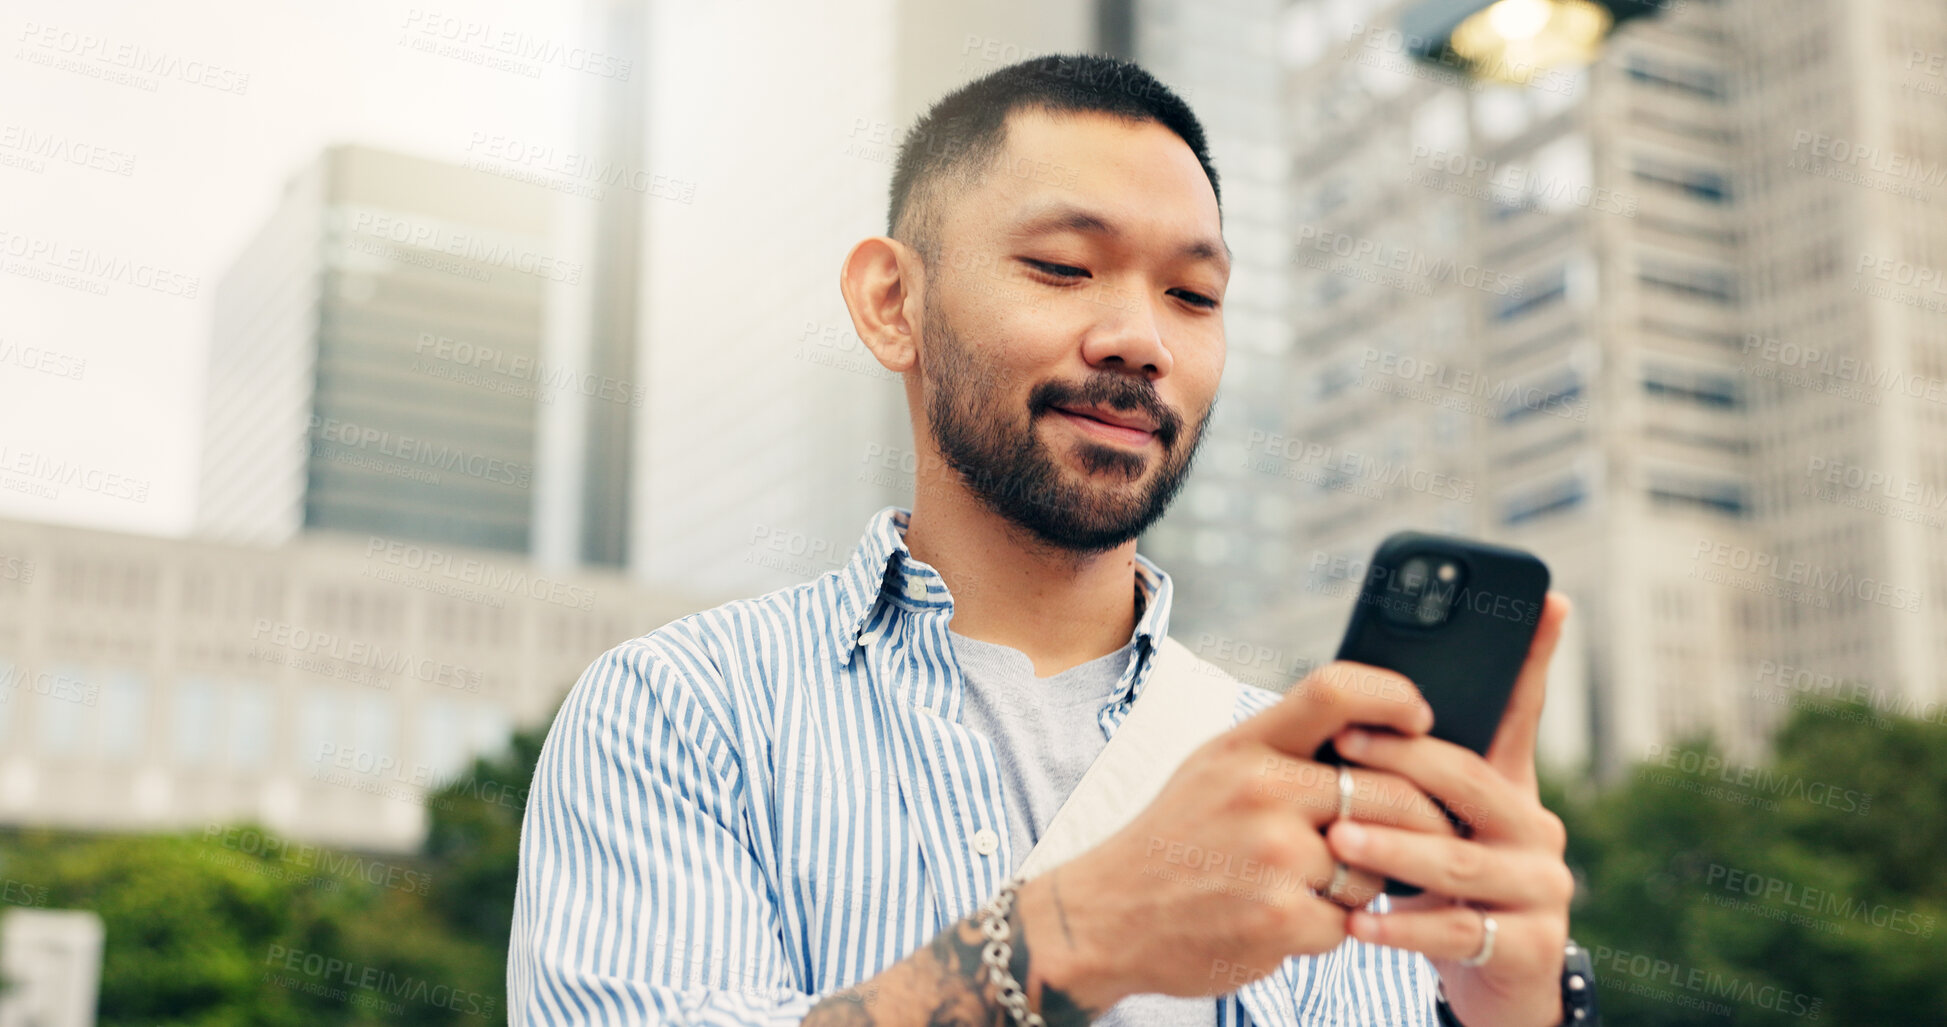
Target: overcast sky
169,175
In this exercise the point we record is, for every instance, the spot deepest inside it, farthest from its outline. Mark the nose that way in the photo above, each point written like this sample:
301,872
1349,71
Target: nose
1128,336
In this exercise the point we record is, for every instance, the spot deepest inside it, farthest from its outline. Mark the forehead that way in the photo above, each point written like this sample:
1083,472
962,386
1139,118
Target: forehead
1139,175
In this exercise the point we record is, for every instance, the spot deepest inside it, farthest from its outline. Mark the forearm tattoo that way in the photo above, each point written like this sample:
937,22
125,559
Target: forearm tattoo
947,982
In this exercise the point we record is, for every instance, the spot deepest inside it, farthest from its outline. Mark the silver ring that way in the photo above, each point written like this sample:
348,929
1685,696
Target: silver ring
1488,927
1339,873
1345,793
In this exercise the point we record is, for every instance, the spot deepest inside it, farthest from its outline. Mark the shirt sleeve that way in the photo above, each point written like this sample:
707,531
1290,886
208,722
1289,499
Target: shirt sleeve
638,900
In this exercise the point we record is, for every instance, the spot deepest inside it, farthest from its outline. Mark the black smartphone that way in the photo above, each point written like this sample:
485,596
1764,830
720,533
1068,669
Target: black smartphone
1456,617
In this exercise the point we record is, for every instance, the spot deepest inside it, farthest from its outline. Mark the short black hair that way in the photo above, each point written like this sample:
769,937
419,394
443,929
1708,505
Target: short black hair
961,136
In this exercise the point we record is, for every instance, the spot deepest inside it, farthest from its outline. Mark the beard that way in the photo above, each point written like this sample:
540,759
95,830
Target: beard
1003,460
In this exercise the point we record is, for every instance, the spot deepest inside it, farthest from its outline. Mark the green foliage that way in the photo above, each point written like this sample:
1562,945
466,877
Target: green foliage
234,927
1801,889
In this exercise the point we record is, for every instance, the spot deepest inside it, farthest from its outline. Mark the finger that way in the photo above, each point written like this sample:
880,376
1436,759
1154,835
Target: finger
1496,876
1314,792
1513,749
1333,696
1455,933
1492,807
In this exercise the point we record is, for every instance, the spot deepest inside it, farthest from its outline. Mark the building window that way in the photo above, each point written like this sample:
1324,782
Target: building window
196,721
1706,388
1558,394
1555,496
251,725
1712,285
1702,83
1543,289
1697,183
1715,495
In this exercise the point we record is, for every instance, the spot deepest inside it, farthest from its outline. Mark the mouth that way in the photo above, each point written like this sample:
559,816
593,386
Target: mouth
1131,429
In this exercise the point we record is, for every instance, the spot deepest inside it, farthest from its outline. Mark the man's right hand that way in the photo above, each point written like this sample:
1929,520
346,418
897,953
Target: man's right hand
1223,875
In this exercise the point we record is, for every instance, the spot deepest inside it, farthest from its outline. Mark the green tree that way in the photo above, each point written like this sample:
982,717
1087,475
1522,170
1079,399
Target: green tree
1802,889
233,926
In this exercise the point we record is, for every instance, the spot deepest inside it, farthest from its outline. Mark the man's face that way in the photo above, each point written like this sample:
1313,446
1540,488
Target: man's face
1083,274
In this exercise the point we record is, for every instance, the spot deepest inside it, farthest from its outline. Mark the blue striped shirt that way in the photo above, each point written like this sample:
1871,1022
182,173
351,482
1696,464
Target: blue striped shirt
757,805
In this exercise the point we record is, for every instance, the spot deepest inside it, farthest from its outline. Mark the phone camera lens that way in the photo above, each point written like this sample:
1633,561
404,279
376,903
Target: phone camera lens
1413,575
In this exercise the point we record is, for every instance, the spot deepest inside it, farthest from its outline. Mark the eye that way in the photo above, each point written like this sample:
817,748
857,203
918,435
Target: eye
1195,299
1055,270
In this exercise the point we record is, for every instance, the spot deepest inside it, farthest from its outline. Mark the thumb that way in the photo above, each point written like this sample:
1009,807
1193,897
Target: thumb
1513,750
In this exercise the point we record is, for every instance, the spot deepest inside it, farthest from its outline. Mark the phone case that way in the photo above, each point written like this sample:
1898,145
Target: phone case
1465,665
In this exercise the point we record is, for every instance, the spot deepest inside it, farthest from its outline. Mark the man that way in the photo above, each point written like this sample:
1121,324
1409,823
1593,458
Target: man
788,809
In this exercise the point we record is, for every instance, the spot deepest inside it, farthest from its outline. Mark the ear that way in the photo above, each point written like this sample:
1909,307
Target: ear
880,281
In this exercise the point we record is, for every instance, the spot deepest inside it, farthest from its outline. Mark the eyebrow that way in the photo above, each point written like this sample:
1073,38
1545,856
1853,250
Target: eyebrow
1066,217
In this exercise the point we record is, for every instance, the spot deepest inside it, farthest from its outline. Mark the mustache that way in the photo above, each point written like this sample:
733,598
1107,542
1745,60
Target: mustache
1117,392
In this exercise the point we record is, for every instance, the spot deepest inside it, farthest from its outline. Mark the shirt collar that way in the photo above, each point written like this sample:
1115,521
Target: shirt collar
882,569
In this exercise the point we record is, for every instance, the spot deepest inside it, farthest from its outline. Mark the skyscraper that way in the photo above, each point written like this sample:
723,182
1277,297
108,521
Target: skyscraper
376,364
1671,321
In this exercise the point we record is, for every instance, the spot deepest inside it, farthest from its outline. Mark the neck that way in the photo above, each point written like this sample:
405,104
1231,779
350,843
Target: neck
1060,608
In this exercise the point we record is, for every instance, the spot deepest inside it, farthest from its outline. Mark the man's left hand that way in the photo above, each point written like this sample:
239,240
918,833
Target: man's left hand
1510,866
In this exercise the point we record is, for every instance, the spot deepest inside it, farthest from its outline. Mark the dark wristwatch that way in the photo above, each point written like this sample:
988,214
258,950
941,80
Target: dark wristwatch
1578,992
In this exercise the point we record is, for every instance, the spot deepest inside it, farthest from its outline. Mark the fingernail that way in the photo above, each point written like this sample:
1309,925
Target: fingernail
1363,925
1353,742
1352,837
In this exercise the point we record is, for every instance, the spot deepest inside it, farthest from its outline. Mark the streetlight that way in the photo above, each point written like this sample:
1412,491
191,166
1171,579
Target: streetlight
1510,40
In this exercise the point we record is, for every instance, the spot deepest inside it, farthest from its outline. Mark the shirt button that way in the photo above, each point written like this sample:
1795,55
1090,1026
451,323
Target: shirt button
916,588
868,637
986,842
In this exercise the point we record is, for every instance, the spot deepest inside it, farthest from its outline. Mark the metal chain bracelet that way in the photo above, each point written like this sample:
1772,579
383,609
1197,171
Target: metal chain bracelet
997,952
